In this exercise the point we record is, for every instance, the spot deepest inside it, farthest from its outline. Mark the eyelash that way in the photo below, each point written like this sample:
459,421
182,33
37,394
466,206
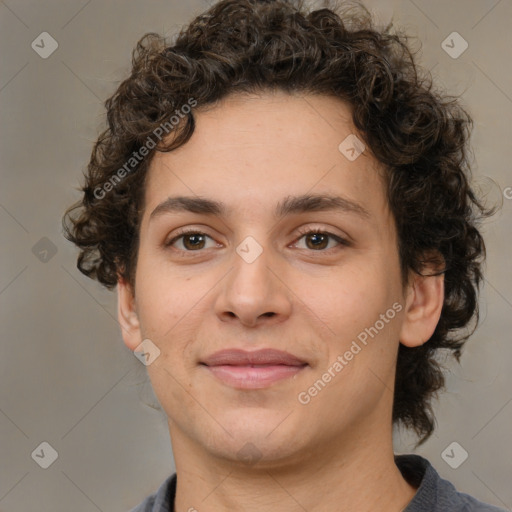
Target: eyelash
302,232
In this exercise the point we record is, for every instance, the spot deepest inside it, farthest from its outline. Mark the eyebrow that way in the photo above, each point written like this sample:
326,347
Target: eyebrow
290,205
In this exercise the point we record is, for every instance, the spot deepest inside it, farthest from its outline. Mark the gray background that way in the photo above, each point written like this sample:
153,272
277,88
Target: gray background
66,376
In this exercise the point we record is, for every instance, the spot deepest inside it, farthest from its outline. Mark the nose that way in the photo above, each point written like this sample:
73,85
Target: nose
254,292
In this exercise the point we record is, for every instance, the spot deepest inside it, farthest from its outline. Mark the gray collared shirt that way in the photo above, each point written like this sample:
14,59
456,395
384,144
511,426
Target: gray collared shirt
433,495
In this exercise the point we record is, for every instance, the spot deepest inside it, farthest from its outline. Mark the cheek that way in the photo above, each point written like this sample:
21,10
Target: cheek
161,298
171,309
349,299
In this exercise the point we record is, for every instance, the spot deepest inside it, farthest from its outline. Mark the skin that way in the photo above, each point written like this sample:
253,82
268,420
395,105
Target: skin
334,453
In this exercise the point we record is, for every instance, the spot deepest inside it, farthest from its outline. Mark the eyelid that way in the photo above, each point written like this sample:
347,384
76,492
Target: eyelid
341,239
186,231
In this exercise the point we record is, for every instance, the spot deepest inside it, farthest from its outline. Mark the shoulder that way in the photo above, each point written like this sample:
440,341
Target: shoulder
160,501
434,494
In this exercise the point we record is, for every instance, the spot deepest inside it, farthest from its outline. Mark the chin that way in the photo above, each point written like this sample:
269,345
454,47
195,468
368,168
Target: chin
257,437
257,453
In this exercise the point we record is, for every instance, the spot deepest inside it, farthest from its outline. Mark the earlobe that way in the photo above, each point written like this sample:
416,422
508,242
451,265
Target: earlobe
424,303
127,315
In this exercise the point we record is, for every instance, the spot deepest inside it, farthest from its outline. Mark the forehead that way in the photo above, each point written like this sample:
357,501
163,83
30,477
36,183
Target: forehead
252,151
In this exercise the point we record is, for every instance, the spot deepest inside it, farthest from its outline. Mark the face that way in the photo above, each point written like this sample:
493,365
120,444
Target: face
267,334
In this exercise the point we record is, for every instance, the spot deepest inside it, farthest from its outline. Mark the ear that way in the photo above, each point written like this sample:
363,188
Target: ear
127,315
423,305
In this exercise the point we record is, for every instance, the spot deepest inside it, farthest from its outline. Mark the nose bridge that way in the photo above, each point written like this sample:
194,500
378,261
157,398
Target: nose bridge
251,275
252,289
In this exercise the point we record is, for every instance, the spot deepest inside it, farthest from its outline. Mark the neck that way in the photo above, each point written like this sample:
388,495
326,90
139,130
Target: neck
360,475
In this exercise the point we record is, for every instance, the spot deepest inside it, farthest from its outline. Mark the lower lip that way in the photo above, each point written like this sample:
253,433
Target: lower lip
249,377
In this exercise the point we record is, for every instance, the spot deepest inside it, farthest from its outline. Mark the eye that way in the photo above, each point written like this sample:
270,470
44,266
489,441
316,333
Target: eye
191,240
318,240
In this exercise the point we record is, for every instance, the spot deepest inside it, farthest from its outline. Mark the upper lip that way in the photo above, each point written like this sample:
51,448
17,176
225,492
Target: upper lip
266,356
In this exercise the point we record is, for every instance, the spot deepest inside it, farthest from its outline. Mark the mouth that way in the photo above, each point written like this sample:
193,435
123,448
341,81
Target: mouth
259,369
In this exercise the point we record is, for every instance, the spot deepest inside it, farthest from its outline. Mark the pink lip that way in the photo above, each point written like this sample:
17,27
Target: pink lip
253,370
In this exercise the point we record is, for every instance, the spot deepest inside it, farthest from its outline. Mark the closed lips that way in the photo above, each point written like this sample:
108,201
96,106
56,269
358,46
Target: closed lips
258,358
256,370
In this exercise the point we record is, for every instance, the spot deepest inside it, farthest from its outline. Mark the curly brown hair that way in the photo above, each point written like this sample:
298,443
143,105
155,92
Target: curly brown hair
419,135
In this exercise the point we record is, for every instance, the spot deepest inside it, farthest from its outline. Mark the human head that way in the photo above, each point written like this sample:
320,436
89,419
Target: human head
417,135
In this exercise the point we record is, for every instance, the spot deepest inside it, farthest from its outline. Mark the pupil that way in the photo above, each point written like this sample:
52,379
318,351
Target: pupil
197,239
314,236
